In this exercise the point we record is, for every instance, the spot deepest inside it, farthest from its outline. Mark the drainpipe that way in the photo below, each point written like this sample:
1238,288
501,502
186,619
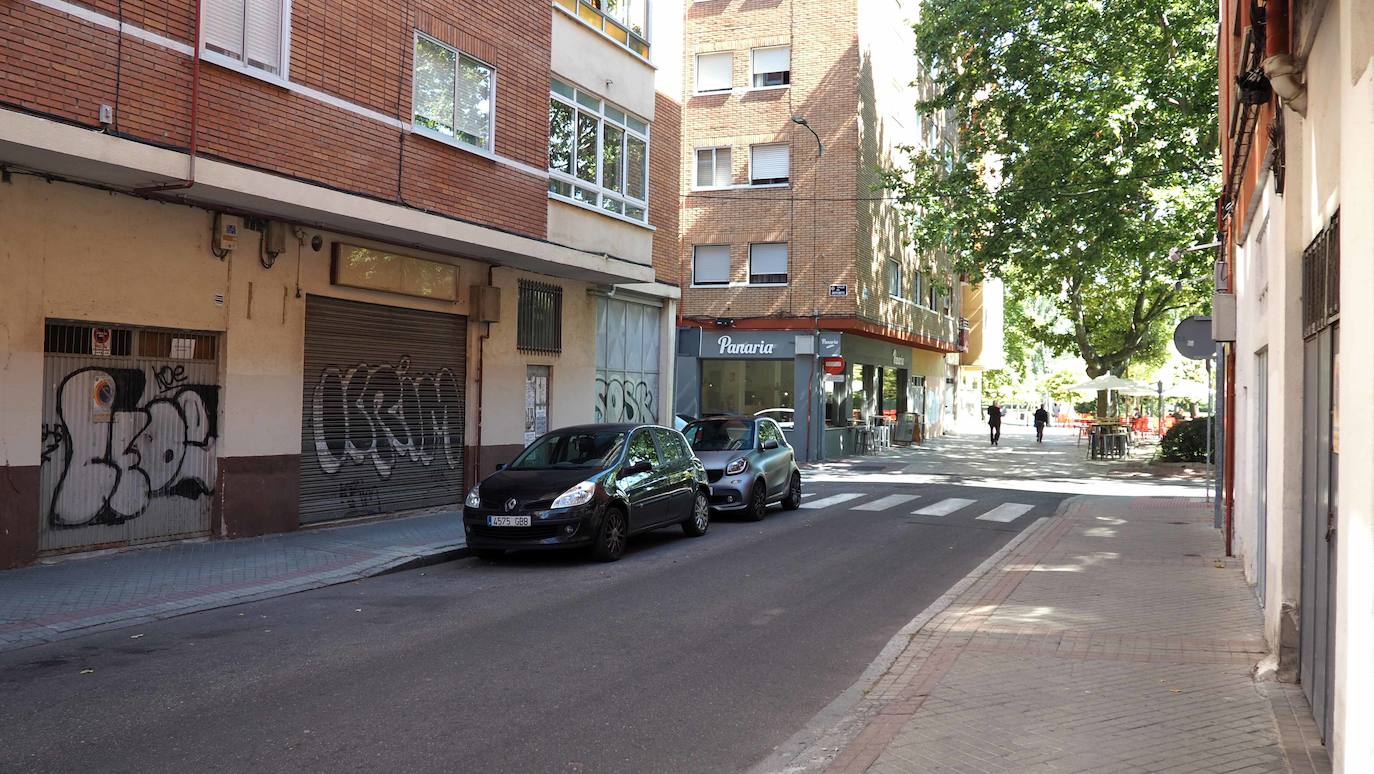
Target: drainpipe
195,115
481,342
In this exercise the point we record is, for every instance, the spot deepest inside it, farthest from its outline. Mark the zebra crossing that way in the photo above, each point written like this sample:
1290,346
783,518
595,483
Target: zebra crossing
1001,513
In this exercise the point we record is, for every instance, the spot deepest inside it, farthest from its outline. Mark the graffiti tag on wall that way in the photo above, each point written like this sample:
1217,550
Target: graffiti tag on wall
383,414
624,400
117,454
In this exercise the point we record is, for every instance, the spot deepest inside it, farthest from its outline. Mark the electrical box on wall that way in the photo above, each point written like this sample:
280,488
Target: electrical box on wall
226,232
1223,316
486,303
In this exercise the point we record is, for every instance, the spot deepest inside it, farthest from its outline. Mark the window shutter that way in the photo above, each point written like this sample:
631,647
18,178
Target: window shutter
772,60
768,258
713,71
768,162
224,26
712,265
262,39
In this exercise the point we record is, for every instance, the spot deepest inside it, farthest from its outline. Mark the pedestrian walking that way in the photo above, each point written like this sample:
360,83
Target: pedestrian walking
995,422
1042,418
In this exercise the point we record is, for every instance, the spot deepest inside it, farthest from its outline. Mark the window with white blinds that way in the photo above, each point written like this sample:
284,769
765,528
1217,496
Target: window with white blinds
711,265
713,167
768,164
714,72
768,263
771,66
249,32
453,94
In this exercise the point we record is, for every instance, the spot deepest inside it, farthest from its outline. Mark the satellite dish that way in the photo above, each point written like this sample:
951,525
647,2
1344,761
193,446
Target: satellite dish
1193,338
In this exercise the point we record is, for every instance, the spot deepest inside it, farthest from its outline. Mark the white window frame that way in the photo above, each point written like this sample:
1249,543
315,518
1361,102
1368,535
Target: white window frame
788,273
783,184
918,282
715,153
753,72
280,78
455,140
558,177
696,73
894,278
728,269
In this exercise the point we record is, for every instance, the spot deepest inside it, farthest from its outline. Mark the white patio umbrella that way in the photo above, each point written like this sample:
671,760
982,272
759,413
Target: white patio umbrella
1108,382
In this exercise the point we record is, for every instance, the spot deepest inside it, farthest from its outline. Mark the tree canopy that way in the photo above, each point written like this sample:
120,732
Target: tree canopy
1085,155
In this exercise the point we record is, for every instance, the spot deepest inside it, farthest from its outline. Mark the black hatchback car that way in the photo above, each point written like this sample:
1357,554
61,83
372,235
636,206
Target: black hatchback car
589,486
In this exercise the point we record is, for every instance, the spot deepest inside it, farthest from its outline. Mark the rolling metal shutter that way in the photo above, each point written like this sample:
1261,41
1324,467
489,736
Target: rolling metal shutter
384,402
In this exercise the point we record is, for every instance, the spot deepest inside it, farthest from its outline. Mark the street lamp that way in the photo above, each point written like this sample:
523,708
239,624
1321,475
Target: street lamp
820,148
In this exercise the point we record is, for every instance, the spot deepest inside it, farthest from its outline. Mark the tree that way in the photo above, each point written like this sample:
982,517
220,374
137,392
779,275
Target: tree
1085,155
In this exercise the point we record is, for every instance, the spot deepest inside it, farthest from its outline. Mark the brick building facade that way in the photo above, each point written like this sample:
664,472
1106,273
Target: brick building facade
839,268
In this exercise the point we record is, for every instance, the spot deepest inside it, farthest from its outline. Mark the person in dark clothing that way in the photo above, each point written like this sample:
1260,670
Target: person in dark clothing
995,422
1042,418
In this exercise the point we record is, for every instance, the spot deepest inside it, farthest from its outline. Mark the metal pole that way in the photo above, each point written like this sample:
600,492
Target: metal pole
1208,459
1159,386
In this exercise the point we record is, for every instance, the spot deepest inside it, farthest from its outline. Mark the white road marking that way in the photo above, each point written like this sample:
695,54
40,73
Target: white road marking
826,502
1006,512
944,507
883,503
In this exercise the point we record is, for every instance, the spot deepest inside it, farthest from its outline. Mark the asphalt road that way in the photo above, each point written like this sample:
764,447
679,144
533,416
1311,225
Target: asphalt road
687,655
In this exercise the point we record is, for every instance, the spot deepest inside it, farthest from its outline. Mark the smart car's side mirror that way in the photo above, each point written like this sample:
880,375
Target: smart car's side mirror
635,468
770,444
500,466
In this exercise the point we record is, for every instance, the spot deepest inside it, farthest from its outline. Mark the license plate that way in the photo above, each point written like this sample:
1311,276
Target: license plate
508,521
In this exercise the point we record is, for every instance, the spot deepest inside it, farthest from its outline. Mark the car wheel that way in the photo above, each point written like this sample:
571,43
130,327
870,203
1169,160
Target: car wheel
793,499
611,538
700,520
758,502
489,554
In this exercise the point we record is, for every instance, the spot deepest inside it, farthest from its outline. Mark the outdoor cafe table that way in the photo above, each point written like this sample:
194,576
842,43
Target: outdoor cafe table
1107,439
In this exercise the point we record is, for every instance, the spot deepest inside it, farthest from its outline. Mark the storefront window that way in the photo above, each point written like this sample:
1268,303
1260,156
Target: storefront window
890,394
745,386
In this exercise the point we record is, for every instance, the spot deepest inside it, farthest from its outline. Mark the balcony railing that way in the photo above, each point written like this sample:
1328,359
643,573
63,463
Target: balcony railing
598,13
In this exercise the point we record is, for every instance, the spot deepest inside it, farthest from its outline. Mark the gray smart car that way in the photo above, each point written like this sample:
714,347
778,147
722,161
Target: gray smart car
749,464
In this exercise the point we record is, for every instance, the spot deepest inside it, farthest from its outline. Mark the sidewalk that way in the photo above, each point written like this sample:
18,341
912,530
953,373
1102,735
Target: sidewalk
1110,638
81,595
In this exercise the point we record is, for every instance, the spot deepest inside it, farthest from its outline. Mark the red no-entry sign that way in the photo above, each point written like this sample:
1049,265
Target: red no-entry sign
833,365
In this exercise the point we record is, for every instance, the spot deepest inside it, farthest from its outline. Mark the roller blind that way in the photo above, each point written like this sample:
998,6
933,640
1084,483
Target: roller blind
770,258
768,162
224,26
713,71
263,36
712,265
772,60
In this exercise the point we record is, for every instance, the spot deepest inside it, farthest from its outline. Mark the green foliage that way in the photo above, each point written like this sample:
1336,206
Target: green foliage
998,385
1185,442
1057,384
1085,153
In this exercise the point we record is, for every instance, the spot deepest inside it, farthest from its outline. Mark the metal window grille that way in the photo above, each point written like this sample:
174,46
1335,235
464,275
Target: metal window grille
1321,279
539,326
64,338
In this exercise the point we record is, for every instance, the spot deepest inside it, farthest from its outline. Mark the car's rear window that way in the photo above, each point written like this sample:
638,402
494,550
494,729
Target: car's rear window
720,435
